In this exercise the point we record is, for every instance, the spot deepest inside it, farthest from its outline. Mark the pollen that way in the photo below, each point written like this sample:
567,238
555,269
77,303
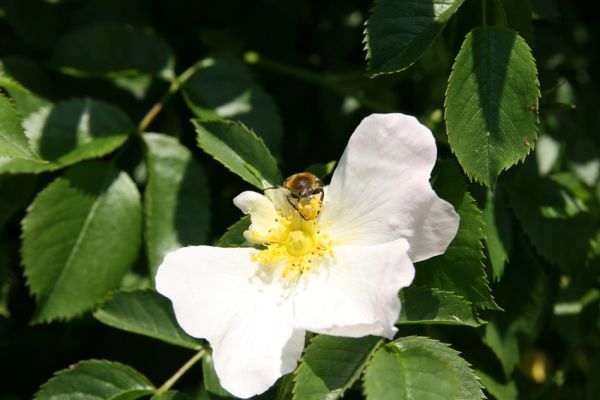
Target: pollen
310,209
294,240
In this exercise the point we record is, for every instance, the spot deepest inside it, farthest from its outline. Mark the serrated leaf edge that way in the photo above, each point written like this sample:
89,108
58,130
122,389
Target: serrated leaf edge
537,125
71,367
355,376
264,182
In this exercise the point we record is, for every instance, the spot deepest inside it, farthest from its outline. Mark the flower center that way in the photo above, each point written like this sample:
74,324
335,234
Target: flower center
295,241
299,243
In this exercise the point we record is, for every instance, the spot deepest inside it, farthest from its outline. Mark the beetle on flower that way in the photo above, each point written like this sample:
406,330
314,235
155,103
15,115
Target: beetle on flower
336,272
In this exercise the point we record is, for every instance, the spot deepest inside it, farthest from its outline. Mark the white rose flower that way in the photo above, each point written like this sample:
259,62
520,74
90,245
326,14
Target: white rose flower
332,264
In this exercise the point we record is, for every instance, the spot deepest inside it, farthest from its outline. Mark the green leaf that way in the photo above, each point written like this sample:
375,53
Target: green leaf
491,102
239,150
420,368
225,88
171,395
211,380
497,230
322,170
80,236
26,83
94,380
106,49
460,268
234,236
400,31
69,132
422,305
522,292
500,391
13,142
556,222
331,365
177,199
147,313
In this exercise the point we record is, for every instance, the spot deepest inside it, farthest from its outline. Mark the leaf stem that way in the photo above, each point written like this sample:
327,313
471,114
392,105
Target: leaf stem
316,78
176,84
184,368
484,12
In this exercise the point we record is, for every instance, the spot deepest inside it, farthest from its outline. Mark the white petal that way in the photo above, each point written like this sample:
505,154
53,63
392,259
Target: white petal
219,295
380,190
356,294
261,209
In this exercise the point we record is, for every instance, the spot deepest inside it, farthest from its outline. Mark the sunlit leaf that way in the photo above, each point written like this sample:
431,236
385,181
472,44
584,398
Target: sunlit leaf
420,368
491,102
96,379
69,132
331,365
239,150
26,83
147,313
400,31
421,305
224,87
13,142
80,236
176,199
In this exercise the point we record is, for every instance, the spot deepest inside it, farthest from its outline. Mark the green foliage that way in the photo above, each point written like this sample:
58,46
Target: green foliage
558,225
176,199
146,313
399,32
240,150
522,292
26,83
420,368
13,142
224,87
106,49
459,269
211,380
80,236
96,379
497,230
423,305
69,132
234,236
331,365
492,102
91,201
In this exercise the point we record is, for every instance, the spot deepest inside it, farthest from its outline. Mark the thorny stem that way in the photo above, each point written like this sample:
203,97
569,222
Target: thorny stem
184,368
176,84
317,79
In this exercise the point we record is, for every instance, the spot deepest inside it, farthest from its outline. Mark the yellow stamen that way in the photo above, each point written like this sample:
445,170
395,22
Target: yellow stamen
295,240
